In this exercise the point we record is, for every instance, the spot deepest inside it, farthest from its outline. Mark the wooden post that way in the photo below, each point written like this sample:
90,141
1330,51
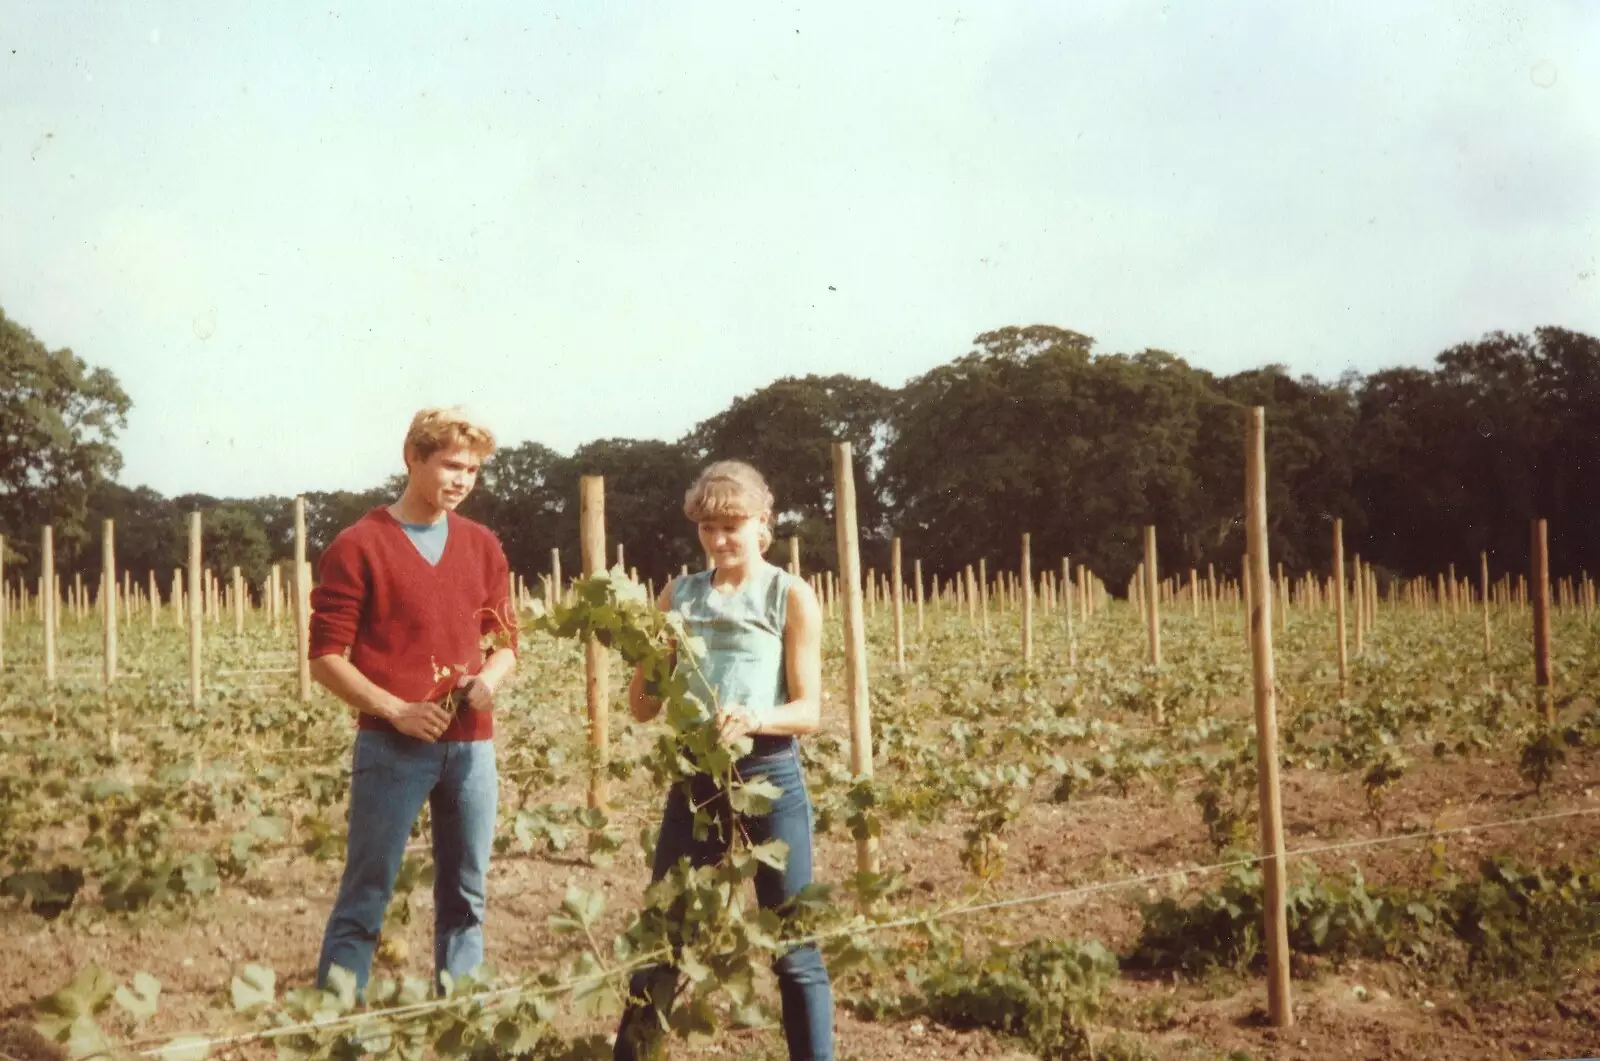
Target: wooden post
1540,577
794,556
1211,593
196,610
1152,595
555,576
1026,589
1273,877
972,596
1247,592
847,536
1070,605
1358,578
1086,601
238,602
592,536
983,594
1282,590
899,607
302,604
108,580
916,574
1338,599
274,587
1483,586
48,603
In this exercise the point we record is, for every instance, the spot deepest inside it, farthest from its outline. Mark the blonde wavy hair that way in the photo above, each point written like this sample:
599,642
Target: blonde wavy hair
432,430
731,490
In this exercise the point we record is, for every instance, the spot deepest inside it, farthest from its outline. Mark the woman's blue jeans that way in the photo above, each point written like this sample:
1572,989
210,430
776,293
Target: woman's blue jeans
391,776
802,979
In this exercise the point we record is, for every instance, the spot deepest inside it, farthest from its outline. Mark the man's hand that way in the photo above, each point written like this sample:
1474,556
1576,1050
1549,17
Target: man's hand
480,694
423,721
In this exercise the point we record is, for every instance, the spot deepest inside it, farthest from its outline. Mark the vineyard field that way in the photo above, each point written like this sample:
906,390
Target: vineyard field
202,847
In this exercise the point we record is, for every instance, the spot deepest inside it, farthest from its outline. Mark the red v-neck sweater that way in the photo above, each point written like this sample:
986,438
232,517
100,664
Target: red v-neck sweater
404,620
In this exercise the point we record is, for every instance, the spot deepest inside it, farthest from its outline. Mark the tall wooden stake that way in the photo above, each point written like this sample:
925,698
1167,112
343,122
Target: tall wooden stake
1338,598
1483,588
592,534
899,606
108,593
1152,594
847,537
48,603
916,574
196,610
1211,593
1071,606
1540,576
1274,883
302,604
1027,598
983,594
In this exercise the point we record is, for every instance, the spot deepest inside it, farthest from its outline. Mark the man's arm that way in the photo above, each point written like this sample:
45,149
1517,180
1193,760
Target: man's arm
499,621
482,686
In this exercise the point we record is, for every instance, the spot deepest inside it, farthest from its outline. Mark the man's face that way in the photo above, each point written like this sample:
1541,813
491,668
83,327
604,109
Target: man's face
445,479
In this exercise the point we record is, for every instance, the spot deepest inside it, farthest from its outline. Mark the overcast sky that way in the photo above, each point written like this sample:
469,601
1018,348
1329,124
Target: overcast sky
284,230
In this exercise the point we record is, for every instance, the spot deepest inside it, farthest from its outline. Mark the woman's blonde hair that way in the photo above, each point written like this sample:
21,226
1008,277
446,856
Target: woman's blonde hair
731,489
432,430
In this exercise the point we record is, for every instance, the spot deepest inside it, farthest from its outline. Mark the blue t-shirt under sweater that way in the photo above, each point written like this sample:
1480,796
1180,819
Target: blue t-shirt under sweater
429,538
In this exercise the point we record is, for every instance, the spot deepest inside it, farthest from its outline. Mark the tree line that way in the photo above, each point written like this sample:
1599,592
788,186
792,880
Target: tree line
1029,431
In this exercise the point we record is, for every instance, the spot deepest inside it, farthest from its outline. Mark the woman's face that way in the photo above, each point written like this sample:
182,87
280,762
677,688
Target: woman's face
732,541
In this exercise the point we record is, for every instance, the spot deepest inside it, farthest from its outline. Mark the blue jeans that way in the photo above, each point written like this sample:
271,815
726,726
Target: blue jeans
391,776
802,979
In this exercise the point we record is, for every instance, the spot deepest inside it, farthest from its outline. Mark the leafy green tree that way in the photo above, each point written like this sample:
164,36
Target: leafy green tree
1029,432
787,430
1309,442
645,481
330,511
519,496
232,536
149,531
58,424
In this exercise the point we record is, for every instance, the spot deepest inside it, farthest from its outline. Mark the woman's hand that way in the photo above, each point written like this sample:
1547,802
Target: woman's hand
737,721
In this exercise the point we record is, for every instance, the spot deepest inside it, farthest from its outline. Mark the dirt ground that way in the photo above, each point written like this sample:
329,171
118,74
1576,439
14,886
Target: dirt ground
275,919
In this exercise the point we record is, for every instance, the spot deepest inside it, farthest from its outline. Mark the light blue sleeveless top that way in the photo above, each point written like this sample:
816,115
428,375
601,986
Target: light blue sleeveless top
743,634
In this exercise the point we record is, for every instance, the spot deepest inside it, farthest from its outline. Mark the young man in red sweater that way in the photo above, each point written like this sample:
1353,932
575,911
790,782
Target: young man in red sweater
412,625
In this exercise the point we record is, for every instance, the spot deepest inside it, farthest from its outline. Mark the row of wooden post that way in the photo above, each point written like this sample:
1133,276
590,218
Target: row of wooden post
195,598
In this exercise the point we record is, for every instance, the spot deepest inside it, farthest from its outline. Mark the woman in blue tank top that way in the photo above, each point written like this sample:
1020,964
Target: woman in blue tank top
762,671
